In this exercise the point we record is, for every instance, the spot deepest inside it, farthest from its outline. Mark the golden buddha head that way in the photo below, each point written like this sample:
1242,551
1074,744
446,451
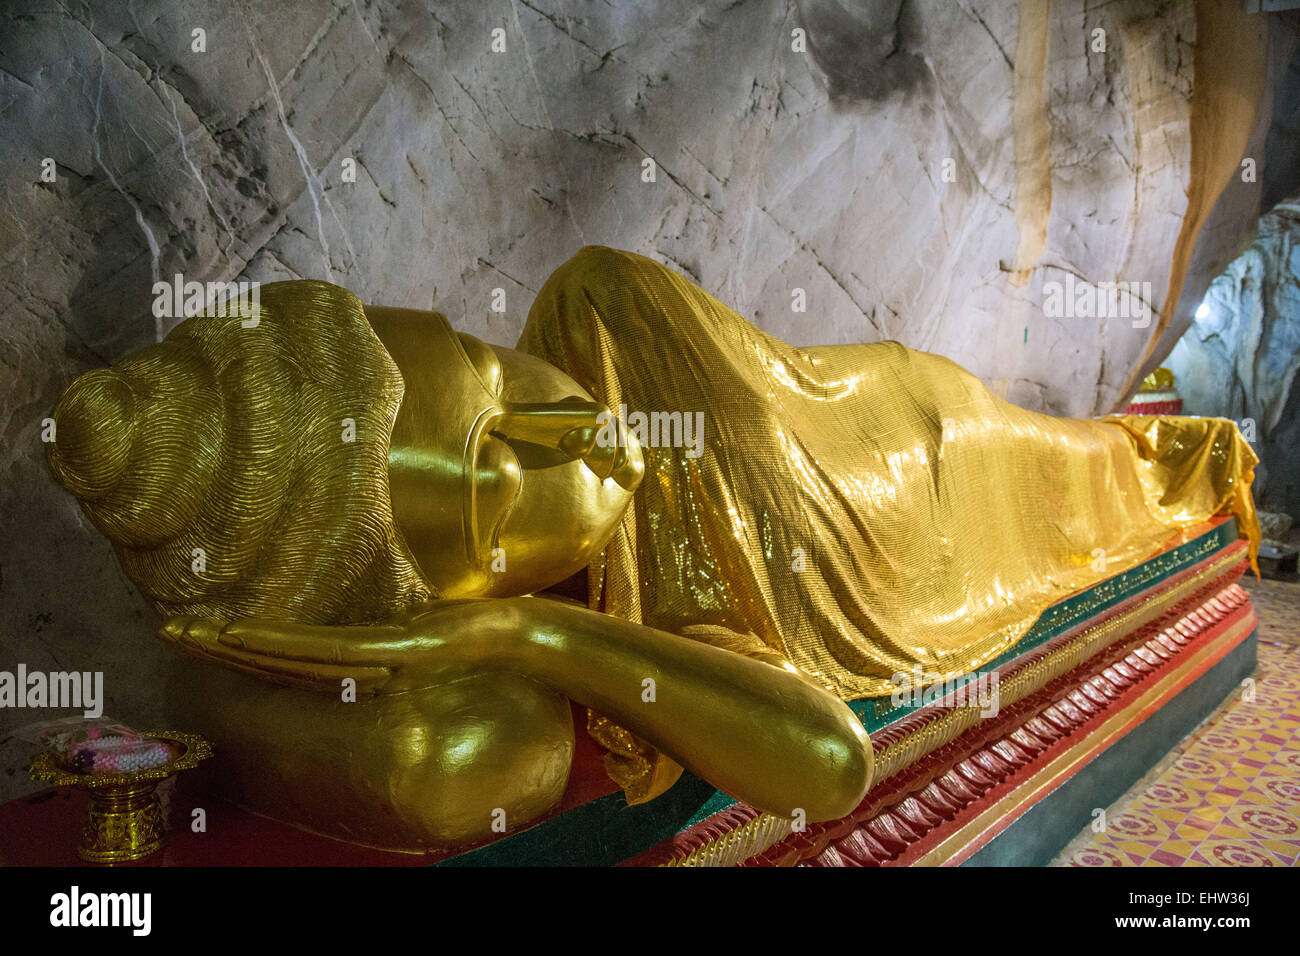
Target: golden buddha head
302,467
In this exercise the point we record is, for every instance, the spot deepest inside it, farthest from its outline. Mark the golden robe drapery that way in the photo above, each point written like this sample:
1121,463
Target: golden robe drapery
864,510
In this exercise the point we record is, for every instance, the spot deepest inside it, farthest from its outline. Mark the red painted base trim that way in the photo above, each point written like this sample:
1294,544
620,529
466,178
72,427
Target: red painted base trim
912,828
1169,407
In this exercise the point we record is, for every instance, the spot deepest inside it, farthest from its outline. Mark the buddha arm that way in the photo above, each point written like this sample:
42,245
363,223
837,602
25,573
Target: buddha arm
759,732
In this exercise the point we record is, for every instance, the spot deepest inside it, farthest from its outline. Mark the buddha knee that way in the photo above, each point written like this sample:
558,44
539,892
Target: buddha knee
436,767
475,758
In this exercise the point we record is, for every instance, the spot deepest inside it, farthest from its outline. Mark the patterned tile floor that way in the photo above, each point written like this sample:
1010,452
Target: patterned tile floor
1229,794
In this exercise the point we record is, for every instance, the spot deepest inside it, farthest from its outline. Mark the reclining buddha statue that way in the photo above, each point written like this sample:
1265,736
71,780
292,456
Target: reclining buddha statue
390,555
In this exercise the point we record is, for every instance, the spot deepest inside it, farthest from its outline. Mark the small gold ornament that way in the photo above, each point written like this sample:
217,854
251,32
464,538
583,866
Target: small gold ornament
125,819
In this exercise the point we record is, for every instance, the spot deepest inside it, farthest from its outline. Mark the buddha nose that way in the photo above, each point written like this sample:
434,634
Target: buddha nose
94,425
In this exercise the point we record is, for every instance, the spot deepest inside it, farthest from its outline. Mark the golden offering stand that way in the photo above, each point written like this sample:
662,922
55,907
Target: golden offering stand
125,819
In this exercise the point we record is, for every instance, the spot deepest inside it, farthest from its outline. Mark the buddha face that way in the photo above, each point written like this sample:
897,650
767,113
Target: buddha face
498,483
286,470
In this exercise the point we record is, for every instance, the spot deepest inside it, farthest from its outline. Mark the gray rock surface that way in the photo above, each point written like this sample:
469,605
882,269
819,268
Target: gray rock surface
874,165
1240,357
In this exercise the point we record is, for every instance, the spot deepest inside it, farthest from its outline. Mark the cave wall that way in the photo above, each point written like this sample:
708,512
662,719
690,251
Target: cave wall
1239,359
920,168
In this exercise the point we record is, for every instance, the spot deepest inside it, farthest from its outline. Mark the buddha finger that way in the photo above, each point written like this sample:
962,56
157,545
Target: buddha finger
354,646
203,637
585,444
350,645
548,423
629,471
603,457
578,443
323,678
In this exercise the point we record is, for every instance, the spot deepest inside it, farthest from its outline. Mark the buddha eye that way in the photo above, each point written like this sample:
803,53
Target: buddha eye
484,361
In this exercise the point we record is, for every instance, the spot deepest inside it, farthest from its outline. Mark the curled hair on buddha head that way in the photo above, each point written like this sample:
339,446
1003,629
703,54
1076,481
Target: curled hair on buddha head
240,469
